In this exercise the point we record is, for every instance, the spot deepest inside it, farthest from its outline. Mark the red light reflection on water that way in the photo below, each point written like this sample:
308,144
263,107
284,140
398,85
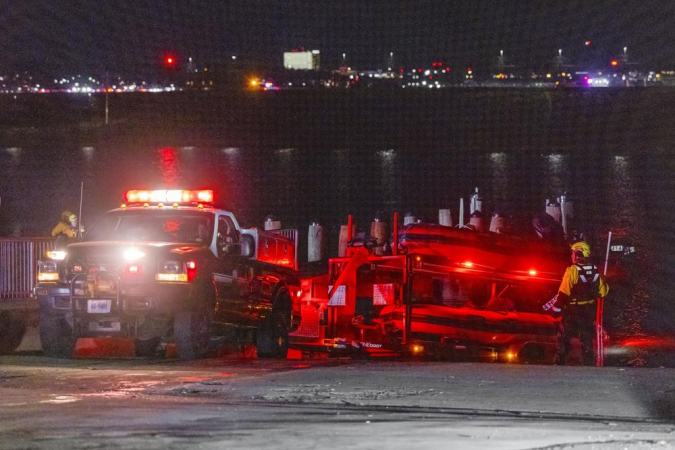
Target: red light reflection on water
169,166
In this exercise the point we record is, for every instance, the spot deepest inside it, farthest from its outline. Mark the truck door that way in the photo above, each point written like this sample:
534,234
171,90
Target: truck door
232,276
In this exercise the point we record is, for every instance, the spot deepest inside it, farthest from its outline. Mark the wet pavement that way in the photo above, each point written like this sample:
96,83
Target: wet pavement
232,401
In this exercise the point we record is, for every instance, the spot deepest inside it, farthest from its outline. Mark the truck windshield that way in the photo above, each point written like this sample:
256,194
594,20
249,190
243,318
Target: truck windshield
152,225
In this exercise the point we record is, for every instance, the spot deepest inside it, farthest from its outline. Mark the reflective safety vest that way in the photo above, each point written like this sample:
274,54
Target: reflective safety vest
587,289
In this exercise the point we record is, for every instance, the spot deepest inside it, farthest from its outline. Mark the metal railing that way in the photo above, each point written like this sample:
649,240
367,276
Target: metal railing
18,265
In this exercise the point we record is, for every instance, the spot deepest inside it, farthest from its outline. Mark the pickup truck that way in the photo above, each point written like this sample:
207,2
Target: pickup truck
168,265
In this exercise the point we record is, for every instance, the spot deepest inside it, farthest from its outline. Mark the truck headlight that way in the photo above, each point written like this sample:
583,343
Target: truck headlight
48,271
171,271
176,271
133,254
57,255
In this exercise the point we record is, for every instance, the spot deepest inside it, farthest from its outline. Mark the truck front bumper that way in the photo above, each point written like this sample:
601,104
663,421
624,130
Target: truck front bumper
138,311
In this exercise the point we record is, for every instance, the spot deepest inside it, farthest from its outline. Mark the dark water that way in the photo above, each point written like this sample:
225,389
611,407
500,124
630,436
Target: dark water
309,156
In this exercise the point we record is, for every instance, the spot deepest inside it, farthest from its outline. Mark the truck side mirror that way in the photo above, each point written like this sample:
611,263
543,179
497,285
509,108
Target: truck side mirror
247,246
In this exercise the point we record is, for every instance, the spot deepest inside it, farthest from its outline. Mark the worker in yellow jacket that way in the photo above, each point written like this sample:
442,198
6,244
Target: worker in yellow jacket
65,230
581,287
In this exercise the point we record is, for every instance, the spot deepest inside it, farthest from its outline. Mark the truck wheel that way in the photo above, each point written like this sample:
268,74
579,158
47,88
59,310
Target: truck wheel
272,334
192,333
12,329
56,336
147,348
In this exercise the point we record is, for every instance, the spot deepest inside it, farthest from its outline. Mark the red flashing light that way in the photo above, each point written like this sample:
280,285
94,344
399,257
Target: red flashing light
532,273
401,70
468,69
169,196
433,64
169,61
588,43
447,68
614,63
467,264
191,270
205,196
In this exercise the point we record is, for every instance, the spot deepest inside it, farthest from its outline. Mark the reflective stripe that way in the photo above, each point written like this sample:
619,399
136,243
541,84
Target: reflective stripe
588,275
587,302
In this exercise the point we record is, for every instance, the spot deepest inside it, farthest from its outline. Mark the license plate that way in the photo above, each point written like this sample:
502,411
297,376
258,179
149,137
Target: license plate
99,306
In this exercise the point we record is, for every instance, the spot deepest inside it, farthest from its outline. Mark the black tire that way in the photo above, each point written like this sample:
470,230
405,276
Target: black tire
192,333
12,330
272,334
147,348
56,336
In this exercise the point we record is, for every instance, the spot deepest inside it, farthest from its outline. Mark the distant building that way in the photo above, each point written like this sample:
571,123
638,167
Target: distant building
302,60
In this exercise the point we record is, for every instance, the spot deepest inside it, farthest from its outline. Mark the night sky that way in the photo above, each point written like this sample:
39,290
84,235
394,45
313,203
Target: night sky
63,36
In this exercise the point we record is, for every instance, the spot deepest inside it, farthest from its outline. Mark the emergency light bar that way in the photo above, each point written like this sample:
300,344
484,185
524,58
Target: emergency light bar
169,196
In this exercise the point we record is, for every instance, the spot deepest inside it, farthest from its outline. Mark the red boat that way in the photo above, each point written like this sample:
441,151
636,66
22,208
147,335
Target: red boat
443,291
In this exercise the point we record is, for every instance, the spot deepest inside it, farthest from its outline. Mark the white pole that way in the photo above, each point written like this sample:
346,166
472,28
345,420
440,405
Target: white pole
563,213
461,212
609,243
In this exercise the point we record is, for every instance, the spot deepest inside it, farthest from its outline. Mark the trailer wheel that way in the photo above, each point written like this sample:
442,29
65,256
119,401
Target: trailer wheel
192,332
56,336
146,348
12,329
272,334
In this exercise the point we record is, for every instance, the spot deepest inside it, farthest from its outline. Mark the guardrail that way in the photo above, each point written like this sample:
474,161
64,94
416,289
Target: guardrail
18,265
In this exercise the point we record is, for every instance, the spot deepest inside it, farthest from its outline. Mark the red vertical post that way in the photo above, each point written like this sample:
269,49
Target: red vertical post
350,224
350,232
394,248
599,344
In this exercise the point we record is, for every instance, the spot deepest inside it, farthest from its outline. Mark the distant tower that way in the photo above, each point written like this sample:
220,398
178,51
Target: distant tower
501,61
390,64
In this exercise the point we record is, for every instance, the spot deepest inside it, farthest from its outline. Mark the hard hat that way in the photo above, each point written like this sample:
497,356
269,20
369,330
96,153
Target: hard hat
65,215
72,216
581,249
